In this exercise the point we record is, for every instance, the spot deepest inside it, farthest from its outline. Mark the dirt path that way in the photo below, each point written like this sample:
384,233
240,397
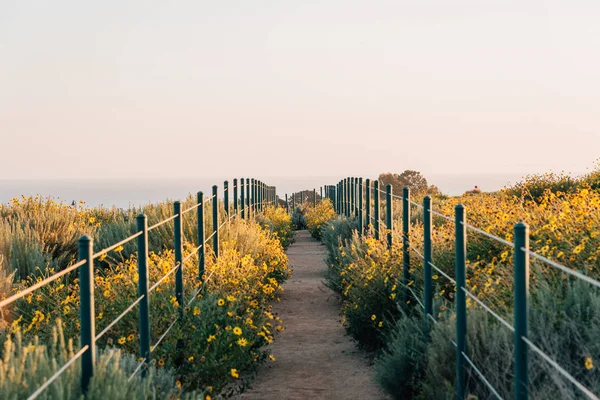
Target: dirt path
315,359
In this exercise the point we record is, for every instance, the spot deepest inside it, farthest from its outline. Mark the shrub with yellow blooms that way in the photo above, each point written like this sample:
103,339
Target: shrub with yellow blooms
317,217
224,324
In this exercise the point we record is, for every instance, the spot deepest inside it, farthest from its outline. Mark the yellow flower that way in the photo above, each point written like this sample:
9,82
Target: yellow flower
230,298
161,362
373,317
380,324
242,342
119,249
237,331
234,373
196,311
67,310
434,277
272,357
178,384
211,338
588,363
130,337
191,358
122,340
207,397
221,302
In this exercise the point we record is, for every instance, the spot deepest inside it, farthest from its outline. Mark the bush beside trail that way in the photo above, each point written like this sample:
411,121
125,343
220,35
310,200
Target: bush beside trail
224,331
415,358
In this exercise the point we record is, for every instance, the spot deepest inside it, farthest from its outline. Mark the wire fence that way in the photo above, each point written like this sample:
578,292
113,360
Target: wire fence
253,197
348,201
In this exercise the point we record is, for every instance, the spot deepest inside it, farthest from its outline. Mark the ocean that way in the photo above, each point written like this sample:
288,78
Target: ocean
131,192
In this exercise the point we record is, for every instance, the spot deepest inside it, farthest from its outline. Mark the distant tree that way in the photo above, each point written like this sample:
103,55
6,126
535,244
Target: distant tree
409,178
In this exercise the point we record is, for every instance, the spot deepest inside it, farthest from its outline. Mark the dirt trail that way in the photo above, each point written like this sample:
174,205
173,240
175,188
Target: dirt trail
315,359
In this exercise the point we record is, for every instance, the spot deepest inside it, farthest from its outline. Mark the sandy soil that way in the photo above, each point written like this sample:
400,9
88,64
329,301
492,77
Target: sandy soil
315,359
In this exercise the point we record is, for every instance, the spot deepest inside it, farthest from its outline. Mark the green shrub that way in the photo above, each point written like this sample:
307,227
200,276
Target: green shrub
298,219
563,326
318,217
110,381
401,365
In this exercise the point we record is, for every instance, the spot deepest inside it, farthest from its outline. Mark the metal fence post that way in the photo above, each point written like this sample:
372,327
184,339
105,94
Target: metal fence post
389,217
178,242
248,198
460,296
287,205
242,199
367,204
215,221
144,307
235,196
521,288
361,229
405,239
352,197
87,314
339,198
344,198
200,239
376,208
427,257
226,197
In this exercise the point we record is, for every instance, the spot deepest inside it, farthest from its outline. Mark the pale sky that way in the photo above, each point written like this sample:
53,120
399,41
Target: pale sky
150,89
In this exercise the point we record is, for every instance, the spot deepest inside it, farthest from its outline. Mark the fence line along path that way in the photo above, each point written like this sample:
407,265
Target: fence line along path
315,358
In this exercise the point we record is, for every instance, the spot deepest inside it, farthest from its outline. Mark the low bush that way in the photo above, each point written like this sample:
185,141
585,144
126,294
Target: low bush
110,380
317,217
222,333
277,221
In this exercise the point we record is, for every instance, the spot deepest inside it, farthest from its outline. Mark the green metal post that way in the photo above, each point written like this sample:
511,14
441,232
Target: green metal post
261,195
338,198
178,255
332,195
376,208
389,220
226,197
287,205
321,199
235,196
215,221
250,199
460,296
368,204
87,314
200,240
144,307
405,240
242,199
427,256
356,189
361,229
343,200
521,256
352,197
314,197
